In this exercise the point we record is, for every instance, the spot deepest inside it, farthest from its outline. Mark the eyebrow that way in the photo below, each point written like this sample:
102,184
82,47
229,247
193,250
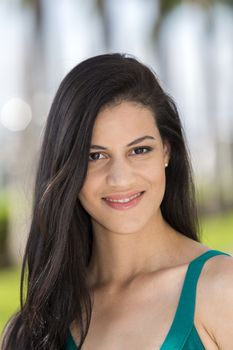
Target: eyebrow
140,139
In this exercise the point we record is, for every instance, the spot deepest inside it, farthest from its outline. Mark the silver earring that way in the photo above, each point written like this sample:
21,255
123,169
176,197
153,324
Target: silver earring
166,164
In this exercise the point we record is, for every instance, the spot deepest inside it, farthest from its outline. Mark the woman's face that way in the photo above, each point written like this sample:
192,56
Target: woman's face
117,169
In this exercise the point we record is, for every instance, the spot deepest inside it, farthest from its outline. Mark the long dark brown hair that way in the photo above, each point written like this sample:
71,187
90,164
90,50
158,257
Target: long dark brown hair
54,289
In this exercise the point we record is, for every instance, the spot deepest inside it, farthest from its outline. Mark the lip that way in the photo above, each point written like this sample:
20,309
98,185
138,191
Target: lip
127,205
122,196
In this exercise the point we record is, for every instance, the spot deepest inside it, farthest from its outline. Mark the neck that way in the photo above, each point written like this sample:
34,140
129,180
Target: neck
117,258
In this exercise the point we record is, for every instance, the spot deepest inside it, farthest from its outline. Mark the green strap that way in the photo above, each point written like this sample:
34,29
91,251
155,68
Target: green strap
184,316
70,345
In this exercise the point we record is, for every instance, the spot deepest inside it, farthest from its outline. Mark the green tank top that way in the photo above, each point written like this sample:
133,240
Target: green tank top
182,334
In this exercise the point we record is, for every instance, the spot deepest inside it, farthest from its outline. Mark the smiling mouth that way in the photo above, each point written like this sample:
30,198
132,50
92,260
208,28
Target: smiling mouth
125,203
124,200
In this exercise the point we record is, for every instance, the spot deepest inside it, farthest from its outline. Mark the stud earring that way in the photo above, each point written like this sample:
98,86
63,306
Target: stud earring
166,164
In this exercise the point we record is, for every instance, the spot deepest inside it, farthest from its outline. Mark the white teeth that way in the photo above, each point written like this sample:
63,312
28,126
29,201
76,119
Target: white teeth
124,200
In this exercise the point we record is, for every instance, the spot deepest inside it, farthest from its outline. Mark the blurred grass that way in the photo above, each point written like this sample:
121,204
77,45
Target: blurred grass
9,294
217,234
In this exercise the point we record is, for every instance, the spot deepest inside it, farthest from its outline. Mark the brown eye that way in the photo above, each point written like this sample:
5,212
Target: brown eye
141,150
94,156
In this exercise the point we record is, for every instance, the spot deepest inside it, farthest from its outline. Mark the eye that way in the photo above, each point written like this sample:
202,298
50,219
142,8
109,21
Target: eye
141,150
94,156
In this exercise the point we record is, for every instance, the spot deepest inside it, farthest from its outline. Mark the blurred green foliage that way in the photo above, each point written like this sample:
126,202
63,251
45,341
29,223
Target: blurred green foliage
217,231
9,294
217,234
4,224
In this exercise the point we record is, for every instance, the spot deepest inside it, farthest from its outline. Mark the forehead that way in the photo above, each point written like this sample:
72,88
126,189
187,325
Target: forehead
124,121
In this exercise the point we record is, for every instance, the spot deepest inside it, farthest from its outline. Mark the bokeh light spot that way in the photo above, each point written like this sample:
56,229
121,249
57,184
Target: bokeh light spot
16,114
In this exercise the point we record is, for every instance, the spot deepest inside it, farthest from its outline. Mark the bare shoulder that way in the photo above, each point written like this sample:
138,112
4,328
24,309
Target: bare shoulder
218,273
216,296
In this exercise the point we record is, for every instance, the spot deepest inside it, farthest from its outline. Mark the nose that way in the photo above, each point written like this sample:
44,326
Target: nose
120,174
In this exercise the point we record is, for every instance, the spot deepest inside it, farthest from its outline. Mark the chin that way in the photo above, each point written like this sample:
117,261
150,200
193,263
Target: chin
127,227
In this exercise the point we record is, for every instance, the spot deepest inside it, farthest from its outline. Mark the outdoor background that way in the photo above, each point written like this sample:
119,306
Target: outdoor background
189,44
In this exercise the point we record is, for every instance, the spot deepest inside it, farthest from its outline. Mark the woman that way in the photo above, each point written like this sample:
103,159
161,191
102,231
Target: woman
113,255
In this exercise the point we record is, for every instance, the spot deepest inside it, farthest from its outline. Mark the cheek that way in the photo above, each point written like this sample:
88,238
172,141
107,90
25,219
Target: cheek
155,174
85,193
86,201
88,192
156,179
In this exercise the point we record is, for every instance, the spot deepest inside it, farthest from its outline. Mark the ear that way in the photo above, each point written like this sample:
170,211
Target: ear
166,151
